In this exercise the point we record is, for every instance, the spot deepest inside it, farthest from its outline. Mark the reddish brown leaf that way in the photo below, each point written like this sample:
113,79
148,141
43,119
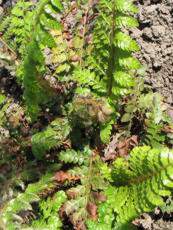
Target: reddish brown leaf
92,210
167,129
71,194
62,176
80,226
75,58
120,147
99,196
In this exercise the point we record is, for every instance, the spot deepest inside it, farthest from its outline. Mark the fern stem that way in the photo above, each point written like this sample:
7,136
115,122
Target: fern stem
111,63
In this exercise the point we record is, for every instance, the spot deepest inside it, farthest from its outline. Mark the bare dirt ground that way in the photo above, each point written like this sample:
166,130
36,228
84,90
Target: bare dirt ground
155,36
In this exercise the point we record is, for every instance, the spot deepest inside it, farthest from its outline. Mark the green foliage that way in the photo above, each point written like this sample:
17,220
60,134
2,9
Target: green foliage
140,183
168,206
71,156
105,132
34,65
112,48
48,209
105,218
16,28
10,218
80,55
81,195
53,136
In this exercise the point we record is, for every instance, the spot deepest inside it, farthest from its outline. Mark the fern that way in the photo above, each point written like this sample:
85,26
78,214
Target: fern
139,183
112,66
11,212
52,137
112,48
80,196
48,209
16,27
82,46
71,156
34,64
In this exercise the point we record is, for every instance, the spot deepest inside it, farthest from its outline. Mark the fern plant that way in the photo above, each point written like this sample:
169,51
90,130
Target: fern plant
10,218
34,64
80,197
49,208
112,48
83,43
17,26
54,135
138,185
111,65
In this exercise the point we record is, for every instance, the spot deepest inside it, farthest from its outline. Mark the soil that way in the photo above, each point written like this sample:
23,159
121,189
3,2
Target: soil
155,36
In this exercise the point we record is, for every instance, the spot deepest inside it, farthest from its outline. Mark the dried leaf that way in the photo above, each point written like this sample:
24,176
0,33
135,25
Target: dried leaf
99,196
92,210
62,176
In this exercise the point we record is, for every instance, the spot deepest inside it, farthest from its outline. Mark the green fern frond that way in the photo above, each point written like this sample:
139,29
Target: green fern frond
34,64
126,21
71,156
140,182
105,132
48,210
10,216
53,136
126,6
124,42
33,94
112,58
16,27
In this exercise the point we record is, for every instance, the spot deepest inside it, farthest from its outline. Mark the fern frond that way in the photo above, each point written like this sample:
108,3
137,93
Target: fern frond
112,52
53,136
124,42
34,64
71,156
16,27
147,176
10,216
105,132
126,6
48,209
126,21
